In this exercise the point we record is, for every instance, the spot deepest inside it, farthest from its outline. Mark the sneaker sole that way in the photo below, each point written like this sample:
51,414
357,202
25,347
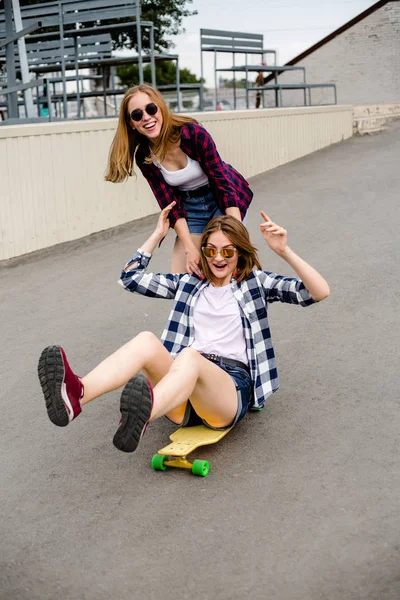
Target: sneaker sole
136,406
51,375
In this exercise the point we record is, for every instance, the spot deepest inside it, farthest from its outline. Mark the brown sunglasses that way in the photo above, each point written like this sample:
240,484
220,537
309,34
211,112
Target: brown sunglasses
210,252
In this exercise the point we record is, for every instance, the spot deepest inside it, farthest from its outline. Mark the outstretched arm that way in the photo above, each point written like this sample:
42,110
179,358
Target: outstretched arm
181,228
159,232
276,238
134,277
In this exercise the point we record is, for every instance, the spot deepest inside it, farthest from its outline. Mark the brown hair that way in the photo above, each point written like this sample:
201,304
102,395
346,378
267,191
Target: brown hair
127,139
239,236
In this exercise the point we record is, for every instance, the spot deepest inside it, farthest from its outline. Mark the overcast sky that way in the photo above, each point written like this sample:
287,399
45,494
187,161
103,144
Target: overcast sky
288,26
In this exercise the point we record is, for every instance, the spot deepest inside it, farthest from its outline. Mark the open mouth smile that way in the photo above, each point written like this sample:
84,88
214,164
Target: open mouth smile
149,126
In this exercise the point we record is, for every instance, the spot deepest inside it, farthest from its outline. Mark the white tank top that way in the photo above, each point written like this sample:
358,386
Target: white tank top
190,177
217,324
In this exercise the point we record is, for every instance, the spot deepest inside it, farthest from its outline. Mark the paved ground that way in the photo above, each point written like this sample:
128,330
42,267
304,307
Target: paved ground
302,502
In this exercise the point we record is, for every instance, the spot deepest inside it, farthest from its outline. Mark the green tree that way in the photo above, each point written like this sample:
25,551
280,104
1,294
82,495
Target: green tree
167,16
165,74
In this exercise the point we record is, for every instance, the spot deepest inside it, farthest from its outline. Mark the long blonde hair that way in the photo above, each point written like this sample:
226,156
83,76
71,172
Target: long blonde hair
127,139
239,236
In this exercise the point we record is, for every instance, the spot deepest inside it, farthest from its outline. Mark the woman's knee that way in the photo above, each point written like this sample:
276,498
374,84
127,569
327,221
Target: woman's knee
188,354
187,357
146,338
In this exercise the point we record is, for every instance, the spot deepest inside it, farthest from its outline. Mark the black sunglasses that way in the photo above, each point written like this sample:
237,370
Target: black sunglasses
137,114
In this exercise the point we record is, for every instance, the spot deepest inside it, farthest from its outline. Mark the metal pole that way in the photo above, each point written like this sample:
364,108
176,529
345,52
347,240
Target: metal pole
139,41
247,87
12,99
104,90
113,88
64,83
234,81
153,63
178,88
201,76
247,80
23,60
215,79
38,103
78,93
48,97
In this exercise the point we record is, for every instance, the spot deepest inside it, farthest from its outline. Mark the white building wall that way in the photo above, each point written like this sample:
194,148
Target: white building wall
52,175
363,61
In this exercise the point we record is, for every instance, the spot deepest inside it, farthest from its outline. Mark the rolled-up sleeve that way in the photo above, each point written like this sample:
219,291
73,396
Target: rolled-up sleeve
284,289
134,278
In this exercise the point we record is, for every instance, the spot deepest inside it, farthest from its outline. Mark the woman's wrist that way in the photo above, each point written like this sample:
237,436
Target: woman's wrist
286,254
182,231
152,242
233,211
186,241
188,248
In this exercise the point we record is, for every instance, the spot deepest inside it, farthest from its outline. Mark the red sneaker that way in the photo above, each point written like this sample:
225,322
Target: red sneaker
136,405
62,389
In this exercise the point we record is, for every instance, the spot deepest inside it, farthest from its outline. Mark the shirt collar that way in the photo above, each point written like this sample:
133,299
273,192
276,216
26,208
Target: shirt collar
185,133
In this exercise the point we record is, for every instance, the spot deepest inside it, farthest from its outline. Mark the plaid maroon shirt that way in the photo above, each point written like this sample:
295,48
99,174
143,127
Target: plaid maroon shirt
228,186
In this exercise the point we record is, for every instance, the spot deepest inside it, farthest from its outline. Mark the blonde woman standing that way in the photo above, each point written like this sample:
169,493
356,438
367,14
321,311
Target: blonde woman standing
180,161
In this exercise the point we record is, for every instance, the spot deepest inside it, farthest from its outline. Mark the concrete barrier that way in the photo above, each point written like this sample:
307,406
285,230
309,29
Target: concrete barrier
370,118
52,175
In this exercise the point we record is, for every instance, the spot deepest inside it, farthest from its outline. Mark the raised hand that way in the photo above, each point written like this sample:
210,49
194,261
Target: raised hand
162,226
274,235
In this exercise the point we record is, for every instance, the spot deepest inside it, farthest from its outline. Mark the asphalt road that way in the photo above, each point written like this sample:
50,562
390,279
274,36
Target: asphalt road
302,500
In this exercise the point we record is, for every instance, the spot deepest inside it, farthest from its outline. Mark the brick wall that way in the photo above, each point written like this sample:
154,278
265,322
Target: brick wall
363,61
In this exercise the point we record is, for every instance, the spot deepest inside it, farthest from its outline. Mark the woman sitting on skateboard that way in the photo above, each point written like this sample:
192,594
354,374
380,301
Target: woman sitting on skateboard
216,348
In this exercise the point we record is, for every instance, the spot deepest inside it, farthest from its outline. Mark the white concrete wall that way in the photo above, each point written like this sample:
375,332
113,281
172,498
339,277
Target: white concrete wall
52,187
363,61
368,118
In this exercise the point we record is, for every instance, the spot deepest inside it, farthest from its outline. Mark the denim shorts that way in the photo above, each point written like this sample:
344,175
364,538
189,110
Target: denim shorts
199,211
244,389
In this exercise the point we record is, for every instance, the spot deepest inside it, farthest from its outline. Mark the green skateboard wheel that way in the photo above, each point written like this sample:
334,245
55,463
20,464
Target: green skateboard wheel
200,468
157,462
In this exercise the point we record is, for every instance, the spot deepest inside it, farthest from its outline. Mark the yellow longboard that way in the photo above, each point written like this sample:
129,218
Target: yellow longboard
183,441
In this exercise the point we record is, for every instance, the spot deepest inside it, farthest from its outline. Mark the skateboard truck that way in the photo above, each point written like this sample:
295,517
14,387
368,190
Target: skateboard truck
183,441
160,462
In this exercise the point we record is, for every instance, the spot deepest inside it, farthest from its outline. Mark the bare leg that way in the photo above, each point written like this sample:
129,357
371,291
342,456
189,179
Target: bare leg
178,263
145,351
211,390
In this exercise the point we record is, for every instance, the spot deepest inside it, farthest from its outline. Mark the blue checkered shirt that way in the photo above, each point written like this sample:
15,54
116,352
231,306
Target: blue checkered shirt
252,294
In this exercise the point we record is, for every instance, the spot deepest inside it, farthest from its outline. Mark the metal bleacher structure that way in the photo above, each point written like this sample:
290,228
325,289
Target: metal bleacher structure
48,50
250,44
65,36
